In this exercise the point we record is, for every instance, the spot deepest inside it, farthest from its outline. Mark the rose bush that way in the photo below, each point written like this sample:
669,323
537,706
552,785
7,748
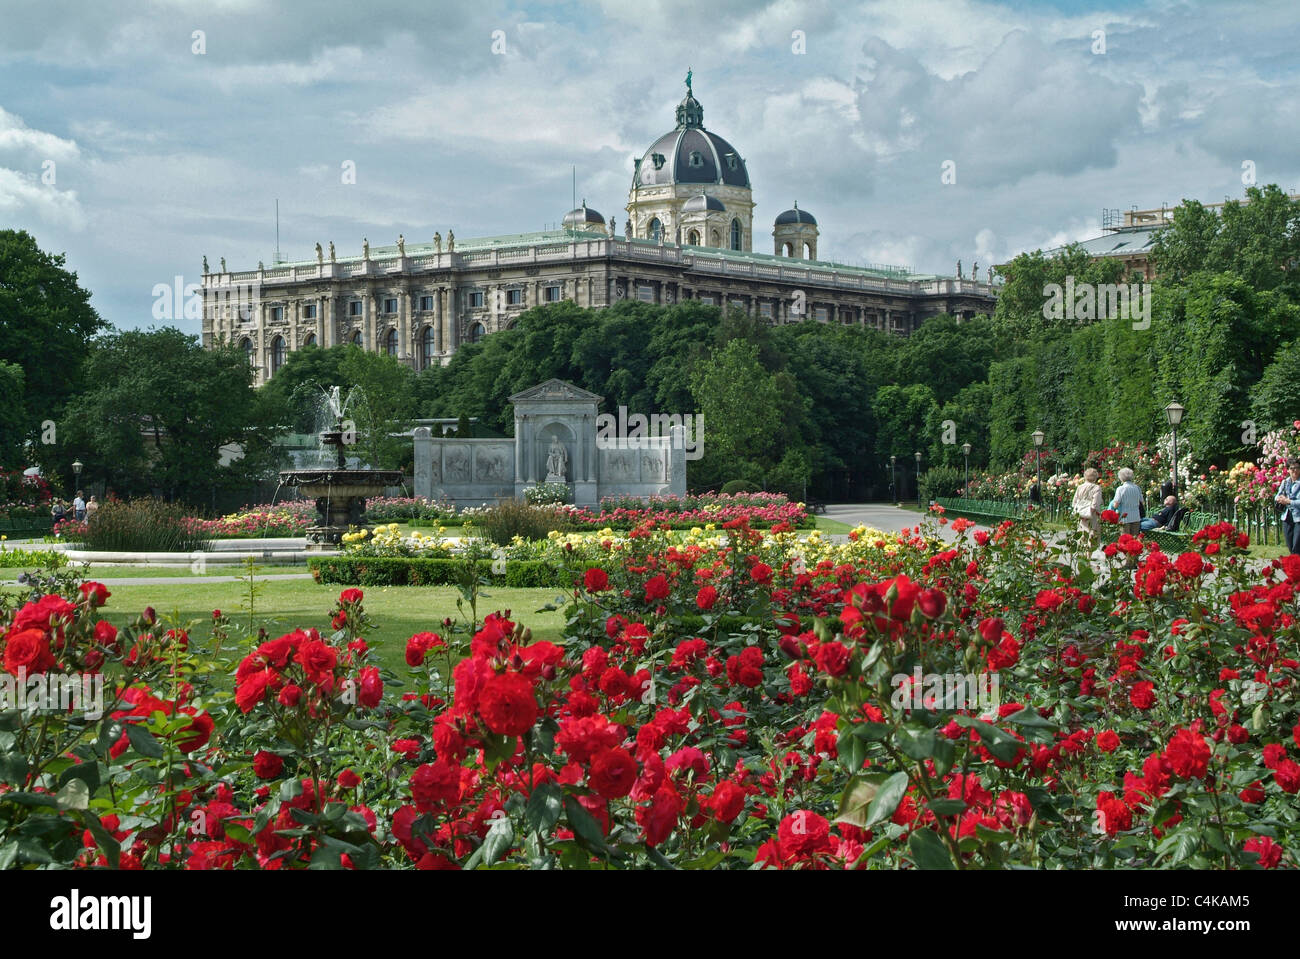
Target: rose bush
744,701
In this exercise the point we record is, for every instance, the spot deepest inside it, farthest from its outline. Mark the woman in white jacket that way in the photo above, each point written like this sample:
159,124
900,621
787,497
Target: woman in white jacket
1087,505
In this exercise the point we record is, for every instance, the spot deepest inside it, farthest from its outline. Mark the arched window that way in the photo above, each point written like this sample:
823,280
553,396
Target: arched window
390,342
654,230
808,251
247,346
476,332
278,354
735,234
426,348
310,340
356,339
694,238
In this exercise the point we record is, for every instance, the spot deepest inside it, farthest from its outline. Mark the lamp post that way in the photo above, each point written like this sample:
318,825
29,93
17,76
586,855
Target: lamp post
965,451
1038,461
893,486
1174,414
918,479
77,467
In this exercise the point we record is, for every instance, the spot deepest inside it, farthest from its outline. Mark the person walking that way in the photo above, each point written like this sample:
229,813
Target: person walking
1087,506
91,505
79,507
1288,495
1127,501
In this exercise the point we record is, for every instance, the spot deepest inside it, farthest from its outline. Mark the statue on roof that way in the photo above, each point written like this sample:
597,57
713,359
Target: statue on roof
451,241
365,248
401,245
223,264
320,255
331,251
688,81
975,271
959,269
990,276
437,242
205,264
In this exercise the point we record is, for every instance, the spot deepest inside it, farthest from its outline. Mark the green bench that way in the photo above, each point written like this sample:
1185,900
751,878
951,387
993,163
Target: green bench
985,509
30,525
1181,541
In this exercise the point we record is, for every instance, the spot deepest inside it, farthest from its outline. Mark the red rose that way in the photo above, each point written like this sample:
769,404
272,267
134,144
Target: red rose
28,649
803,834
613,773
96,593
348,779
250,690
1288,777
595,579
761,573
351,596
832,658
1142,695
290,695
508,705
932,602
1048,600
1189,564
1108,741
1109,516
706,597
656,588
196,734
658,819
1113,814
991,629
318,660
1269,852
435,783
267,765
727,801
105,633
371,687
1188,754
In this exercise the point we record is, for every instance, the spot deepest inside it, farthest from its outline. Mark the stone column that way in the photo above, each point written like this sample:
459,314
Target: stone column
261,342
521,424
437,321
294,309
452,340
371,323
404,326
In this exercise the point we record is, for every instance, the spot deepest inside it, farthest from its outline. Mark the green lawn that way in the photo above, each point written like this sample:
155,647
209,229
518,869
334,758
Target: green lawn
831,525
398,611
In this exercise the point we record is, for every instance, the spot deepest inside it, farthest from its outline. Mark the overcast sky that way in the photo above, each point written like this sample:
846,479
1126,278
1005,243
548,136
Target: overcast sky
161,155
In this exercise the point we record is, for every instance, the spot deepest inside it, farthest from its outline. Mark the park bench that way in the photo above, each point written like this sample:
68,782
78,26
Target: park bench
1180,540
815,506
992,510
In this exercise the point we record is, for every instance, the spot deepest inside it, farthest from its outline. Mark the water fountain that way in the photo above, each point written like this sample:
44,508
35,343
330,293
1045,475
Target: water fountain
340,493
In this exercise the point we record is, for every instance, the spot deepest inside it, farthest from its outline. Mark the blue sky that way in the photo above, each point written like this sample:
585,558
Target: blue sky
161,155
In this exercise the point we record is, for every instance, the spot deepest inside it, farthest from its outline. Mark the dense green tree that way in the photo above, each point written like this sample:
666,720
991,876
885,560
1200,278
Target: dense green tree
380,400
740,402
1275,400
13,418
46,324
158,411
298,388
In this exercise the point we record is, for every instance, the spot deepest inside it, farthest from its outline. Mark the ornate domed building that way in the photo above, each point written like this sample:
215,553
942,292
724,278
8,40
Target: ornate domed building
688,236
691,187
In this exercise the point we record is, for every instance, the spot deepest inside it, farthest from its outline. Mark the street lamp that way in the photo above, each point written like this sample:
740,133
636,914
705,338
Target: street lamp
77,467
1039,436
893,486
1174,414
965,451
918,479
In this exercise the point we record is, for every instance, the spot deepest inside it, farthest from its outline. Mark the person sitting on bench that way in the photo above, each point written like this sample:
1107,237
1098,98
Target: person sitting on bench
1163,517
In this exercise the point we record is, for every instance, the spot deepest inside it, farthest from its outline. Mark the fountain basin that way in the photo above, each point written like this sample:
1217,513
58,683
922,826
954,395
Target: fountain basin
340,496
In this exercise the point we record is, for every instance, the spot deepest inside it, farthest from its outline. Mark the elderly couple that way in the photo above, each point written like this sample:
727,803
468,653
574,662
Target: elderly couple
1127,502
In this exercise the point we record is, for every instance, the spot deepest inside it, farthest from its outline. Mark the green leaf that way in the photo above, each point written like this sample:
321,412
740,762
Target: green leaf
1000,743
887,799
30,799
500,837
544,808
916,745
947,807
143,741
74,795
928,851
109,846
585,828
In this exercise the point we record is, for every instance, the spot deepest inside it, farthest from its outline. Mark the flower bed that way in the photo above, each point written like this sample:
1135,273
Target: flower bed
714,705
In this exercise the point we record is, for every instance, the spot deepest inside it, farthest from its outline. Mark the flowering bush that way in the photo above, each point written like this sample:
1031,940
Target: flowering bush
23,496
738,700
546,494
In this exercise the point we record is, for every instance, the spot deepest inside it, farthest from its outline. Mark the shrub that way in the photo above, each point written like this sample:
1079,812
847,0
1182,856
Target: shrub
502,523
740,486
403,571
940,481
142,525
547,494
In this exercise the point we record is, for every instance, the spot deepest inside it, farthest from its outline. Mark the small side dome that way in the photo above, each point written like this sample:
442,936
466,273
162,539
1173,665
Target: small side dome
796,215
583,218
702,203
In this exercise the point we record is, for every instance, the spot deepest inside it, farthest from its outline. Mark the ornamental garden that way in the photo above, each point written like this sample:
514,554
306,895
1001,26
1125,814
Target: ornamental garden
697,685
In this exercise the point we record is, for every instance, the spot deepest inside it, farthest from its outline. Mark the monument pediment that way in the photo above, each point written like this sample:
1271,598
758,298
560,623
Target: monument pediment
554,389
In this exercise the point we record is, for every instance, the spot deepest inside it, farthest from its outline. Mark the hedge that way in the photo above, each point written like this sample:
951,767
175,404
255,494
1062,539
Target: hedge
404,571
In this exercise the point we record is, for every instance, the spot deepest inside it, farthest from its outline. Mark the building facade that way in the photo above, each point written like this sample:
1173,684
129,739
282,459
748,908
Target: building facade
688,236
